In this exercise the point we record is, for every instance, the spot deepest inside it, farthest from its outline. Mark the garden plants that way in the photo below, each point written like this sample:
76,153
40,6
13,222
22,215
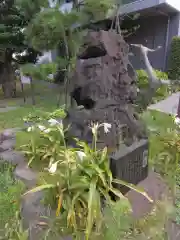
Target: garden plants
77,181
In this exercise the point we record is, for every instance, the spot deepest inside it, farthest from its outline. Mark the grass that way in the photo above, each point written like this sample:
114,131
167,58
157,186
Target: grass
158,120
162,123
11,191
153,225
46,98
157,123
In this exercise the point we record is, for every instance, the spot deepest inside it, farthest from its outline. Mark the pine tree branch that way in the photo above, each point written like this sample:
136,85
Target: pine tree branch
154,82
13,19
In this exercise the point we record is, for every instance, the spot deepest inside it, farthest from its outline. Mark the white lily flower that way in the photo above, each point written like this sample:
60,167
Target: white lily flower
81,155
41,127
30,129
47,130
94,127
107,126
53,122
60,123
53,168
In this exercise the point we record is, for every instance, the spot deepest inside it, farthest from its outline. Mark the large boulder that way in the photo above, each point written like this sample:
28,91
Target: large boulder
104,82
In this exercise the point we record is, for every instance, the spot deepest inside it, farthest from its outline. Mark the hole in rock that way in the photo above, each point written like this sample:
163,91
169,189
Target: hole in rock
131,72
76,94
87,102
93,52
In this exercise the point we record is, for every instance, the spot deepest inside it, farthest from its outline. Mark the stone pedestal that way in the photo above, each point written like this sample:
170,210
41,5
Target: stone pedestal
155,187
130,164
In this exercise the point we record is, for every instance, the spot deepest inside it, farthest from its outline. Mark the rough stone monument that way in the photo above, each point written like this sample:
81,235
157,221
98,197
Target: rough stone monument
104,83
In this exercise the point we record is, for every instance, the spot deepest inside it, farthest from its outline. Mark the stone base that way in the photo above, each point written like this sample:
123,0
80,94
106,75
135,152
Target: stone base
130,164
155,187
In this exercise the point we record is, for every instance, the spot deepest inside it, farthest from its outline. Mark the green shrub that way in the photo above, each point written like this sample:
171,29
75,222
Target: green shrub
39,72
40,116
76,180
142,82
174,59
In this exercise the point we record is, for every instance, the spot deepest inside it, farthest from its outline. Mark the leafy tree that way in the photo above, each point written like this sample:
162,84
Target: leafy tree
54,29
14,18
49,27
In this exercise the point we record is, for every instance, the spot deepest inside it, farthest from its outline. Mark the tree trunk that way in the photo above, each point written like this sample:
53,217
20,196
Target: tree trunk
8,80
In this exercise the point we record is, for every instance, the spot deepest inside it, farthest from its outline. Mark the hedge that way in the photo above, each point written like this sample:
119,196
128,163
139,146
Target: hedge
174,59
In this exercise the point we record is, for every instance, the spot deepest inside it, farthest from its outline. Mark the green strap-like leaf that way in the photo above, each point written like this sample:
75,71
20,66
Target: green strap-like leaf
133,187
100,174
39,188
90,220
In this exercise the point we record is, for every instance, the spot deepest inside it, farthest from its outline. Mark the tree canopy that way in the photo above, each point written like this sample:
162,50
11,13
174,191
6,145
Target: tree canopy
50,27
14,18
62,27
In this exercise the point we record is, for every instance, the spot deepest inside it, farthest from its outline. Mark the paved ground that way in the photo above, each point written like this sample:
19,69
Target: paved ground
168,105
7,109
